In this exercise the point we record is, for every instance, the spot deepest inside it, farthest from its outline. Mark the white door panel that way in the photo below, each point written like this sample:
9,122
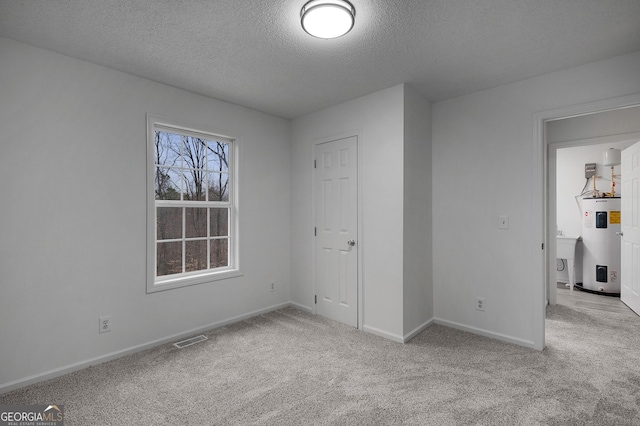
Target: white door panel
630,279
336,218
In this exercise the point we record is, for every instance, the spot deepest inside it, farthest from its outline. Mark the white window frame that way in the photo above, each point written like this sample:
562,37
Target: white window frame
154,283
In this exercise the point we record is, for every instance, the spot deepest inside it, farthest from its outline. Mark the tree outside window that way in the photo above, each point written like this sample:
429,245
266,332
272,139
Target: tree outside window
193,202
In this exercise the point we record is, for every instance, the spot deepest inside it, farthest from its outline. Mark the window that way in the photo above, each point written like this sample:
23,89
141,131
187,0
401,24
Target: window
192,206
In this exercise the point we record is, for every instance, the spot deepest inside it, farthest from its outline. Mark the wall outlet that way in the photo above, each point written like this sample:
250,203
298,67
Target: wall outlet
105,324
272,286
480,304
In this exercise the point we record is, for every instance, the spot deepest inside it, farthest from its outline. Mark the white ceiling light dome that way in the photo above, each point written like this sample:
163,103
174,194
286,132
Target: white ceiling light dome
327,18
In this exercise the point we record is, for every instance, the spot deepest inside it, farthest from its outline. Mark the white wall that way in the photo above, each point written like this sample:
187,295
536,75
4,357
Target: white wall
73,214
393,128
73,219
377,119
483,167
418,268
586,128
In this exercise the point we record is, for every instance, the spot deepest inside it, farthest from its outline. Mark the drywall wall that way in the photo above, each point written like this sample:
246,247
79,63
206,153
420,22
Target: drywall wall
73,224
378,122
417,249
605,123
393,239
483,167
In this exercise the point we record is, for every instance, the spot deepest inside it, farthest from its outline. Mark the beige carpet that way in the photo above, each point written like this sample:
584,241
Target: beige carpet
292,368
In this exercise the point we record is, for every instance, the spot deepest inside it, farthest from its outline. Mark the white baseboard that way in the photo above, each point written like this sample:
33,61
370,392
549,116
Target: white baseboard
381,333
301,307
485,333
16,384
395,337
413,333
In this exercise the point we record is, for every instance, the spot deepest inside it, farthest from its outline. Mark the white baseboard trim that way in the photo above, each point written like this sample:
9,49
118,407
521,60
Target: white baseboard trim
486,333
301,307
386,335
413,333
16,384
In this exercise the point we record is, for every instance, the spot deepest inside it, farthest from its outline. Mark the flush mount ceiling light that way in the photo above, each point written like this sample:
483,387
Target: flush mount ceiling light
327,18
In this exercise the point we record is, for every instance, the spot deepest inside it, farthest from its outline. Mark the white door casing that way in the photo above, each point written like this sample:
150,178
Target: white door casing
336,230
630,268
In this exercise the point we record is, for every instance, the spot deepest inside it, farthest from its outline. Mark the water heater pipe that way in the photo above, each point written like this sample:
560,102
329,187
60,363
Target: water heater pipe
613,183
596,193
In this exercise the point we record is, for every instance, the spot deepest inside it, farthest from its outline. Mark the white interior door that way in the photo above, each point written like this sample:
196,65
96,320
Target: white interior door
630,277
336,230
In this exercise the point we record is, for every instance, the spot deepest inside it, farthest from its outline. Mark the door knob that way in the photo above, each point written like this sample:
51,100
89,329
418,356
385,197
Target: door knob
619,234
351,243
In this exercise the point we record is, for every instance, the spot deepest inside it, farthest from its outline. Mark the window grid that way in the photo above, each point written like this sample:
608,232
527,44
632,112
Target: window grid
189,168
209,238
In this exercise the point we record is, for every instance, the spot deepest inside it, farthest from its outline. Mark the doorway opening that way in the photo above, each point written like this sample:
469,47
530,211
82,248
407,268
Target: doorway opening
566,121
583,246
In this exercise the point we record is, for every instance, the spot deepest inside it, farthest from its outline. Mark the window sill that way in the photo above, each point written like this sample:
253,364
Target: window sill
190,280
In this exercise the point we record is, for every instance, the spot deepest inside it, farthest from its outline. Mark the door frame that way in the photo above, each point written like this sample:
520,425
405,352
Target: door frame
360,242
552,196
545,206
628,233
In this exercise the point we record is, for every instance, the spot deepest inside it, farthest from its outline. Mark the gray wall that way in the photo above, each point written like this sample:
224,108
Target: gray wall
418,267
73,222
378,121
393,128
73,225
607,123
484,166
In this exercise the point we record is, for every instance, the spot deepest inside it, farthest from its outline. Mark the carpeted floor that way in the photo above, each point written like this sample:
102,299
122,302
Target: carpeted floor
292,368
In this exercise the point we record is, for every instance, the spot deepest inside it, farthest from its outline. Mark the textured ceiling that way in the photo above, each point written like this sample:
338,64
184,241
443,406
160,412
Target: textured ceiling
254,52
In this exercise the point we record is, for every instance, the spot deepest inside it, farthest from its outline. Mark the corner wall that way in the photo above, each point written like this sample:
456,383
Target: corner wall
483,167
393,129
377,120
418,266
73,224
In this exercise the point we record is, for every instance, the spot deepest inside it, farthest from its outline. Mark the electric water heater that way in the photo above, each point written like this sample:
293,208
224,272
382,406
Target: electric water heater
601,245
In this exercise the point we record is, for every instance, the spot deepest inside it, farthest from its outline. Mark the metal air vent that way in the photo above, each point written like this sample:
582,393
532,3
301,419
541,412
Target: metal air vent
190,341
